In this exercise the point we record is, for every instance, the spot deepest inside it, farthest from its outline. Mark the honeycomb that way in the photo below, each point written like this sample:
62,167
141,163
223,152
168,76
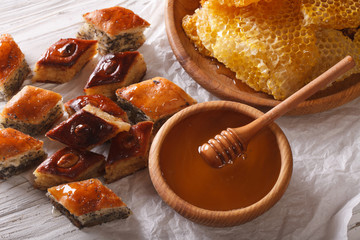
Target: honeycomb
189,25
357,38
272,46
336,14
259,42
333,45
239,3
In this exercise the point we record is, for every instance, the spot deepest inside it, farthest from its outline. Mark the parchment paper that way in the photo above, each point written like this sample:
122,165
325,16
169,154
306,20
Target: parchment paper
317,204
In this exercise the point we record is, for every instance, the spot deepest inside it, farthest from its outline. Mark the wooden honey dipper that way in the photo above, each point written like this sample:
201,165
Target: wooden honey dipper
232,142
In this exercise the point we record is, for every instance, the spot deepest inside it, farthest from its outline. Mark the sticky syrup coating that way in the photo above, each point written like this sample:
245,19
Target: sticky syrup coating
86,196
31,104
13,143
99,101
157,97
115,20
10,56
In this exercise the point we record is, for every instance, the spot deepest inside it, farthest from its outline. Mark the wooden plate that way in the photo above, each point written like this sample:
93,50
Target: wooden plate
218,218
212,75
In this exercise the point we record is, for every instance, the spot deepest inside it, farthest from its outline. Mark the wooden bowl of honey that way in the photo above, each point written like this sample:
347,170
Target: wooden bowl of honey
219,197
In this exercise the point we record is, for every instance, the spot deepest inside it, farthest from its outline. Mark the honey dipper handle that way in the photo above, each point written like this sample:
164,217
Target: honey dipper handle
292,101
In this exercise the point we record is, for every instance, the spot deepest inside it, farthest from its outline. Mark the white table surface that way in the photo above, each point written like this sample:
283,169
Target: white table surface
317,204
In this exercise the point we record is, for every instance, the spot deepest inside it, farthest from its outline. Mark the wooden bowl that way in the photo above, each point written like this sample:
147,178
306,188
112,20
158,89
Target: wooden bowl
215,78
218,218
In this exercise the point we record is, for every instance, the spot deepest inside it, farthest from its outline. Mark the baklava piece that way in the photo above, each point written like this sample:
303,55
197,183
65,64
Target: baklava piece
128,152
115,71
88,128
116,29
99,101
68,165
18,152
13,67
87,203
156,99
64,59
32,110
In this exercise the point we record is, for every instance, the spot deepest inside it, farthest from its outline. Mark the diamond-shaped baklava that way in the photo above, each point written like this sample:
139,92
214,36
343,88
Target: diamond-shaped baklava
13,67
129,151
88,128
18,151
99,101
87,203
116,29
115,71
156,99
68,165
63,60
32,110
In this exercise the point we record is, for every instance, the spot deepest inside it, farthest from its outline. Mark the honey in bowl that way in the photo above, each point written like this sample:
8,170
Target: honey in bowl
234,186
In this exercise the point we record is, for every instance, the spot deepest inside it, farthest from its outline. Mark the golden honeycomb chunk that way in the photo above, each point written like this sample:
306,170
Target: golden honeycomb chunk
264,44
239,3
333,46
277,46
336,14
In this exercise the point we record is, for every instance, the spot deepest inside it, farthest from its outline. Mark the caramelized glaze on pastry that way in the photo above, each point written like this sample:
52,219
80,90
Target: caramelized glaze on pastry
115,71
157,99
129,151
115,20
88,202
68,165
87,128
33,110
13,67
99,101
64,59
117,29
18,151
